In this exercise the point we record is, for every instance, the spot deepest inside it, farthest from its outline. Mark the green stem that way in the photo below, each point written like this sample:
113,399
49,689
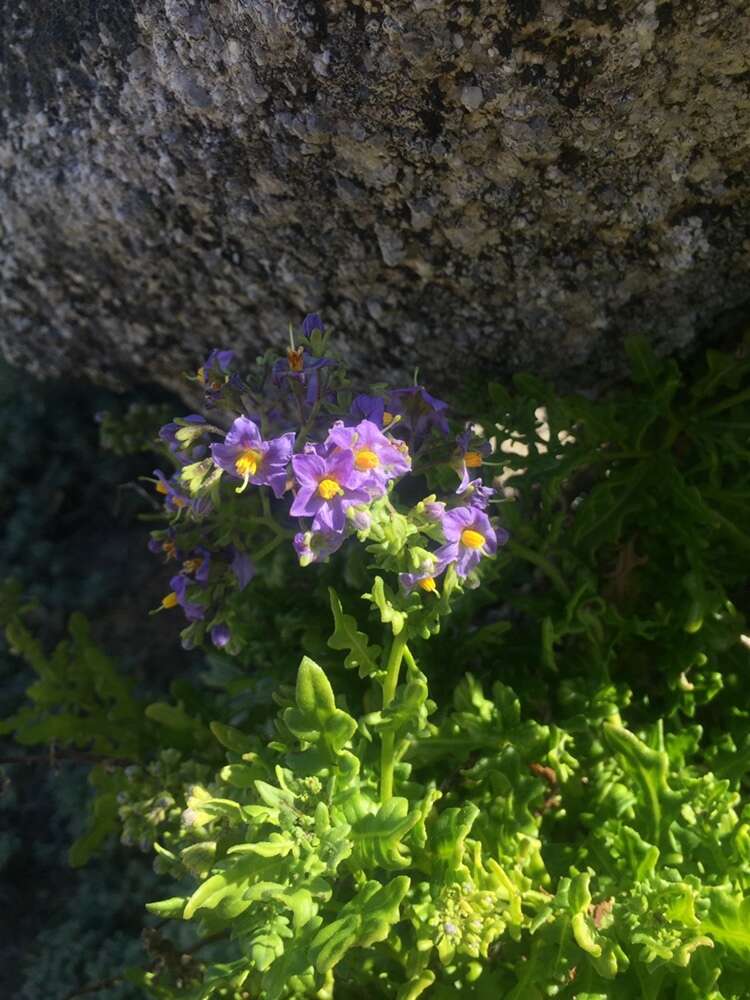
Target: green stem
410,661
727,404
265,504
387,755
543,563
268,548
307,426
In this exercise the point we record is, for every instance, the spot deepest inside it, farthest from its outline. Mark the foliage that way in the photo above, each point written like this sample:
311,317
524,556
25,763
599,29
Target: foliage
529,782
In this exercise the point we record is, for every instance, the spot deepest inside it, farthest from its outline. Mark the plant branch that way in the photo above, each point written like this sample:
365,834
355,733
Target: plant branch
387,756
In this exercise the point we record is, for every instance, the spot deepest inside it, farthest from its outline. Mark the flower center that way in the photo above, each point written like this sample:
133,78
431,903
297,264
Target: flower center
329,488
472,539
248,462
387,418
295,359
472,459
170,601
427,584
365,460
191,565
161,487
179,501
169,549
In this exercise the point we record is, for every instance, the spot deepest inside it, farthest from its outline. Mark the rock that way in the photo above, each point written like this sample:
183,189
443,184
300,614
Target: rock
467,188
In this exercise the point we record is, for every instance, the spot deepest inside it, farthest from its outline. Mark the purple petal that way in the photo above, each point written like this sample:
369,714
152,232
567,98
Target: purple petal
220,635
243,568
309,469
306,503
312,322
244,433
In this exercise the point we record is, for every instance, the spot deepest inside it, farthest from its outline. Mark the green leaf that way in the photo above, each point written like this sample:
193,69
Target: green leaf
172,908
316,718
208,895
644,364
728,921
448,837
376,838
365,920
198,858
361,655
649,768
233,739
381,599
102,822
277,845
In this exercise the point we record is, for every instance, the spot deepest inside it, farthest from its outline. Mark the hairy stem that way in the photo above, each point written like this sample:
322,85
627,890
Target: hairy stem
387,755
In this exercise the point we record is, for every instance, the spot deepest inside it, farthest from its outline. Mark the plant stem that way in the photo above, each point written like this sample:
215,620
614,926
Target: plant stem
727,404
268,548
387,755
543,563
409,657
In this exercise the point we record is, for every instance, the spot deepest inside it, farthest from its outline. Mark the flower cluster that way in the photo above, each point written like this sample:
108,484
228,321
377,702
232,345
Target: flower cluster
314,464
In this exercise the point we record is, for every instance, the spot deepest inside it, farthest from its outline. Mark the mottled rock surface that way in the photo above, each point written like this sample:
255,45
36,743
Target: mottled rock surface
479,185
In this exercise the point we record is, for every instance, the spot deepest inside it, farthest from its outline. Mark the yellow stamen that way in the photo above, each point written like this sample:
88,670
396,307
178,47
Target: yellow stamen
201,374
472,539
170,601
179,502
294,356
169,549
161,486
248,462
365,460
329,488
387,418
428,584
191,565
472,459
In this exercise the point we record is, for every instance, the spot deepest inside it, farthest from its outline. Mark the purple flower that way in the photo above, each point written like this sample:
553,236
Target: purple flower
199,564
312,322
179,584
215,373
164,544
468,536
174,500
471,455
476,494
299,367
220,635
434,509
242,567
181,438
327,485
424,578
376,457
360,517
217,363
419,411
367,408
313,546
244,455
201,505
